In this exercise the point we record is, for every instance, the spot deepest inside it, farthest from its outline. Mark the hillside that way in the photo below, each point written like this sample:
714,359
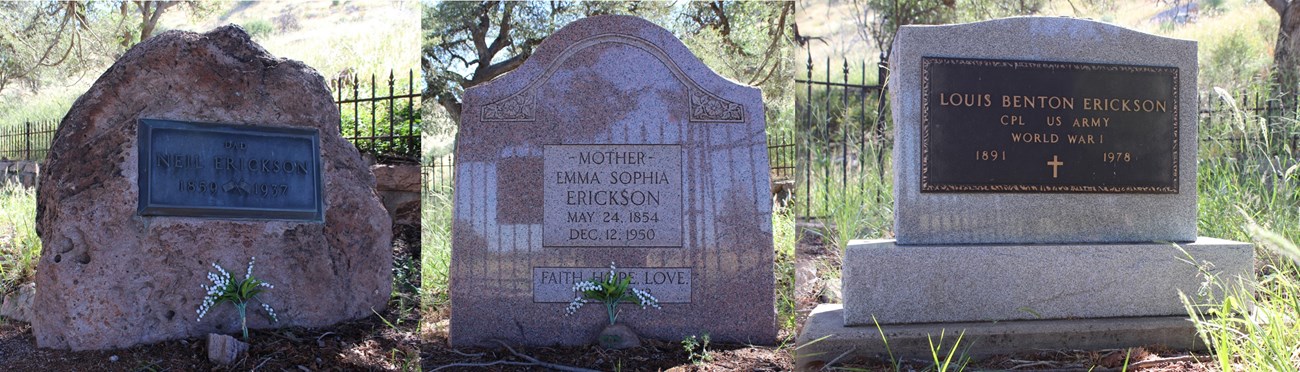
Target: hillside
1236,37
363,36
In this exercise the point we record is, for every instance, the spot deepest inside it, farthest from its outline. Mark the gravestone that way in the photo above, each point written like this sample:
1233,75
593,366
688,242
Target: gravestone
611,144
195,149
1043,166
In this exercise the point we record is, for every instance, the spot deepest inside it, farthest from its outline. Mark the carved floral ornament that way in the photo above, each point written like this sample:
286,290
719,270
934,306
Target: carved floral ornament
518,107
705,106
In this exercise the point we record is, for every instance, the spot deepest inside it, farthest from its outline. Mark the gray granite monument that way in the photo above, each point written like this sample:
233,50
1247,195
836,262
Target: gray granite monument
1045,192
611,144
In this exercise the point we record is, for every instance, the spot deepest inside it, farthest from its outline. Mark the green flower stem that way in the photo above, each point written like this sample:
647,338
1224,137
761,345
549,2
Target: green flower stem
243,318
609,308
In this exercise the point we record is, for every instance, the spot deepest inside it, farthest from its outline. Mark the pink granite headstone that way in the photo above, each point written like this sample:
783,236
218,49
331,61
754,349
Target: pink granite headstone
612,143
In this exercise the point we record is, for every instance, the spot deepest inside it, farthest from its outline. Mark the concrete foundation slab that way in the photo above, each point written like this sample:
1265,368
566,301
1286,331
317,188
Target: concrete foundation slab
825,338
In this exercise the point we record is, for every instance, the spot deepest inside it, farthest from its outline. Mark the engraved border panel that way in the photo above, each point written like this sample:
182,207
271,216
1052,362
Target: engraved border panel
666,293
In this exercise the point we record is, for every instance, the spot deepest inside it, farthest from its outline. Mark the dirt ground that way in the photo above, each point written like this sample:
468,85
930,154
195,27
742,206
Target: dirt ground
371,344
653,355
401,338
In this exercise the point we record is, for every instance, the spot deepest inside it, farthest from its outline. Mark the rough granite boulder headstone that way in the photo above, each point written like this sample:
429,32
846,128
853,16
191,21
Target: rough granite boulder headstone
611,143
120,268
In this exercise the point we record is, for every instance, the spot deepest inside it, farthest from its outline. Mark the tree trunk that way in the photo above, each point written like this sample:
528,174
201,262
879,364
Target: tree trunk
150,11
127,36
1286,55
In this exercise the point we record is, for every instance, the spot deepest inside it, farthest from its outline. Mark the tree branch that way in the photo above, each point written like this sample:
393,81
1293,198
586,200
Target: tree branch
503,30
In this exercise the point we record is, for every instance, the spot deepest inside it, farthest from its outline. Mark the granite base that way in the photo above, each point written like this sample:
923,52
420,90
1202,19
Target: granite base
902,284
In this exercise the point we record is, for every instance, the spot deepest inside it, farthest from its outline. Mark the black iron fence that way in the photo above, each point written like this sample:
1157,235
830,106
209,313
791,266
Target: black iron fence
1249,115
27,141
843,126
385,126
439,172
781,155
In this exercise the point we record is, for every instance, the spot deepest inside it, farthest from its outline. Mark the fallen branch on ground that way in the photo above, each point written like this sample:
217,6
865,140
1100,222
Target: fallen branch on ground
530,362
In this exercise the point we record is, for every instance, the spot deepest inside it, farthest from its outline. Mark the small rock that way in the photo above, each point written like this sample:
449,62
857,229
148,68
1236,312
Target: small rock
831,293
18,305
112,358
618,336
223,349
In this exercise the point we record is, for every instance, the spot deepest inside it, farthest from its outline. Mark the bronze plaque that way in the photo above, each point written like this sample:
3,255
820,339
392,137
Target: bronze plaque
229,171
1031,126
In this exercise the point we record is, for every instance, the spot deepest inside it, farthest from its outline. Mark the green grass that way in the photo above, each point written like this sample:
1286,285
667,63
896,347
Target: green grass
1259,331
783,240
1250,191
20,248
435,241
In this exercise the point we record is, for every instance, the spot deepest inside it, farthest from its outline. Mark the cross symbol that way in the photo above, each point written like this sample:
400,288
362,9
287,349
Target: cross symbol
1055,164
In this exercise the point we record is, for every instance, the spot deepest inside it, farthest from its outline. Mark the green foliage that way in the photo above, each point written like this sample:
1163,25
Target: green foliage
456,41
1213,6
384,127
1234,60
258,28
20,247
979,10
43,42
697,349
752,45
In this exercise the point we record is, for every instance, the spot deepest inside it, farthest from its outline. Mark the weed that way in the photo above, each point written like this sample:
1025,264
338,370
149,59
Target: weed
697,349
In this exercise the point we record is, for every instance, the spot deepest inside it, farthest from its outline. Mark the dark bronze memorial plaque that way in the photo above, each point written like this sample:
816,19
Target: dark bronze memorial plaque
229,171
1026,126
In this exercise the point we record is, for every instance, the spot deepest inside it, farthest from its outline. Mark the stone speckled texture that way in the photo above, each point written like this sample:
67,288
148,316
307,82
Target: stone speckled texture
600,81
970,218
912,341
1011,282
109,278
